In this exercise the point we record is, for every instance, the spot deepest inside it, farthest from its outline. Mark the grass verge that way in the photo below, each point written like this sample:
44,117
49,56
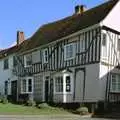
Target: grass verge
12,109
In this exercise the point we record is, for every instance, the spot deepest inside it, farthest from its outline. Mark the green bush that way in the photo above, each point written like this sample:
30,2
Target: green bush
4,101
83,110
31,103
43,105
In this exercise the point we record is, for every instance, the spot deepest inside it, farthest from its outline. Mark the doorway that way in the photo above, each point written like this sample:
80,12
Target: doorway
46,88
14,90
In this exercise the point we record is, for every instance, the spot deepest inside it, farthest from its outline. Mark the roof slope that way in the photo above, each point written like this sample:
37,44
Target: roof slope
12,50
56,30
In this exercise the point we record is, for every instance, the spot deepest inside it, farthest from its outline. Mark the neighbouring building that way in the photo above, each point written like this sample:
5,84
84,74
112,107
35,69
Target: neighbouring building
73,60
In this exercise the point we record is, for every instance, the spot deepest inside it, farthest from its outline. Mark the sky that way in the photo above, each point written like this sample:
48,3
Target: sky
29,15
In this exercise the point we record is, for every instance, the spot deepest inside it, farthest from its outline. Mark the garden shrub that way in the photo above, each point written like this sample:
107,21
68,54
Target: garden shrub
83,110
31,103
4,100
43,105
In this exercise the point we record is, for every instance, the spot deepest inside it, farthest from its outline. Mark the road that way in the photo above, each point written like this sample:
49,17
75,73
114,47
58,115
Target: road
46,117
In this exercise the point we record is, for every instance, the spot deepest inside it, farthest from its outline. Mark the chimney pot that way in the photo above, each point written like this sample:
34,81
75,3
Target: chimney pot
79,9
20,37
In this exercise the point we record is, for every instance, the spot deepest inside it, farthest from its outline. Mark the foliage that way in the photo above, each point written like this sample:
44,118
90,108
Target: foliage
83,110
43,105
4,100
31,103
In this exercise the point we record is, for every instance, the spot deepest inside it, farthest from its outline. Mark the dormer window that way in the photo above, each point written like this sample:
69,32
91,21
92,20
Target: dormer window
69,51
45,55
28,60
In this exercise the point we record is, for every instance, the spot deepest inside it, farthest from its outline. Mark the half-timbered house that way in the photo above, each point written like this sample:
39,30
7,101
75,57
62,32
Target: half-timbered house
73,60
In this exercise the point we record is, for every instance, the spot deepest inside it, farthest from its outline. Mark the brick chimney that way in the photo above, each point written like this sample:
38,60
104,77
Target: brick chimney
79,9
20,37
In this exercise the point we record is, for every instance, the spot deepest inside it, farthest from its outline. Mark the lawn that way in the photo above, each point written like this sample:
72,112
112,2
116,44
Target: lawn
12,109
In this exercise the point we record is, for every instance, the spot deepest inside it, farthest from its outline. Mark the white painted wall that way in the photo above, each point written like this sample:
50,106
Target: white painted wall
112,52
112,20
103,79
6,74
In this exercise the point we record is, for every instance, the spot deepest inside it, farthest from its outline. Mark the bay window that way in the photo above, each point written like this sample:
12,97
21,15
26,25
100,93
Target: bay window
68,84
63,84
59,84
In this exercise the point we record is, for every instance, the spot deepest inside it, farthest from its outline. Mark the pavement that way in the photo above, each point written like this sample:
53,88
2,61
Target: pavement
47,117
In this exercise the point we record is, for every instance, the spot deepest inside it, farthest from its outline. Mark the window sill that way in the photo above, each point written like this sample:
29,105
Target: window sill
26,92
114,92
62,93
67,59
27,66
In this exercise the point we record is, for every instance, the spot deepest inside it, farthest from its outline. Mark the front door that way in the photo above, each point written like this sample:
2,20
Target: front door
80,85
14,90
51,90
47,88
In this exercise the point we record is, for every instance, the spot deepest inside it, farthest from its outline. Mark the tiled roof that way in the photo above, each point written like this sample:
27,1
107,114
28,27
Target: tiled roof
61,28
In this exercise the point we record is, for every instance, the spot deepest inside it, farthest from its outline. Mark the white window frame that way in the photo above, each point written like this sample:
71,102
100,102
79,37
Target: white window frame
117,83
27,81
45,55
66,55
25,60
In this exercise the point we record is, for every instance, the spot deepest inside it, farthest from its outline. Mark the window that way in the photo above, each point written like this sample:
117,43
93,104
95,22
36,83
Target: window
104,40
6,88
69,51
118,45
27,85
45,55
24,85
68,84
104,45
6,64
115,83
14,61
28,60
59,84
82,43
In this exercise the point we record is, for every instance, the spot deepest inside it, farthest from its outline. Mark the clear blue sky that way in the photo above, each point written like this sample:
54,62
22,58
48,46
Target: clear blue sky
29,15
